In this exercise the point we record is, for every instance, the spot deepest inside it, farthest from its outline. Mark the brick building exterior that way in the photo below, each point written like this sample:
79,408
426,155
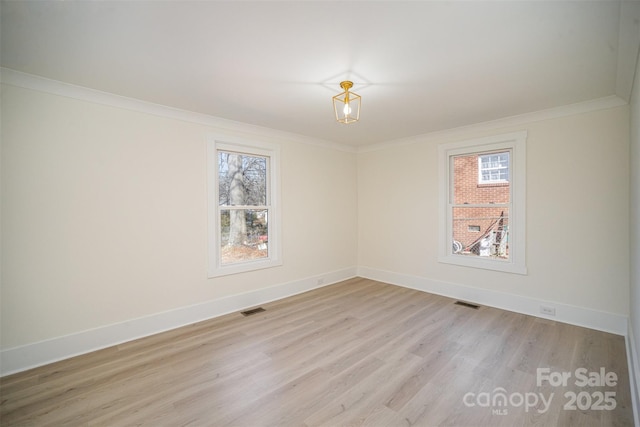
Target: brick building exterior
471,224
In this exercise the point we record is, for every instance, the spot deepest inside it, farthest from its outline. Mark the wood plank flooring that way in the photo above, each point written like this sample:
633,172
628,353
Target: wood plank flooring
358,352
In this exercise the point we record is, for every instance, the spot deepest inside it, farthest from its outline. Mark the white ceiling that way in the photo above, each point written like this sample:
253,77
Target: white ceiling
420,66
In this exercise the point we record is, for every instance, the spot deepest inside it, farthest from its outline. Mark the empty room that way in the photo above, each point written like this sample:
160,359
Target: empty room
320,213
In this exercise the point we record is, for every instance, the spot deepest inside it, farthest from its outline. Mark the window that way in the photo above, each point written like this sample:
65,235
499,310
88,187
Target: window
243,207
482,203
493,168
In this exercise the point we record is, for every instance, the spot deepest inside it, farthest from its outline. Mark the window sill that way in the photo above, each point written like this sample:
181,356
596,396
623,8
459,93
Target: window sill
243,267
484,263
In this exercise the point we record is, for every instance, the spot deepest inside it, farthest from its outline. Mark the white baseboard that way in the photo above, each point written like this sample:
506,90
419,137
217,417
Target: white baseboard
633,359
21,358
44,352
588,318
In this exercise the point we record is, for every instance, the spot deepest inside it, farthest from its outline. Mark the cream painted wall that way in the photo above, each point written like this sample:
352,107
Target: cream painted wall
104,216
577,212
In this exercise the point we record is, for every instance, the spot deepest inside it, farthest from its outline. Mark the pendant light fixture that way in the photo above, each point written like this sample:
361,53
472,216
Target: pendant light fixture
347,104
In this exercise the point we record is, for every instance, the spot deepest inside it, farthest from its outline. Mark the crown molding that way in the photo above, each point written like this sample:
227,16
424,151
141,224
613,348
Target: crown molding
628,47
604,103
55,87
42,84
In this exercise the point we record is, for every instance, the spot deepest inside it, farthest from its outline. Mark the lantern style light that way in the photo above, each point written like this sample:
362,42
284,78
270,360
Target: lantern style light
347,104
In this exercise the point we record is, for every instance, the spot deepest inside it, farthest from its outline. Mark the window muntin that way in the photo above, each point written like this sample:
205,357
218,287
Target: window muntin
497,209
244,223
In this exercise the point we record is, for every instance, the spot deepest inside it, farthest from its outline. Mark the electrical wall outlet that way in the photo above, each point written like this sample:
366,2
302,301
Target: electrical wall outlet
549,311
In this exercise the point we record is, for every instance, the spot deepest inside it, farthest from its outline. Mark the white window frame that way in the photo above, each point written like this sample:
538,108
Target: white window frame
256,148
515,143
492,181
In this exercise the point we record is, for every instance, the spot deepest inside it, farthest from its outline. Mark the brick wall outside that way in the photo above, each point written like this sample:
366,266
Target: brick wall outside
468,191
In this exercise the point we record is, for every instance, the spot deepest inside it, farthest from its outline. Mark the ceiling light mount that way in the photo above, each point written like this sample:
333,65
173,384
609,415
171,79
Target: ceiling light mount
346,85
347,105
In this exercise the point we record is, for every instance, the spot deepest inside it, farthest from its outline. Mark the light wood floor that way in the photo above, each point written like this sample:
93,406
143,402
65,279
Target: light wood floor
356,353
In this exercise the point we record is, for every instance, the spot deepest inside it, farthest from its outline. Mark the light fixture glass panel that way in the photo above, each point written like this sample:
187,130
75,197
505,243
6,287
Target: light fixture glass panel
347,106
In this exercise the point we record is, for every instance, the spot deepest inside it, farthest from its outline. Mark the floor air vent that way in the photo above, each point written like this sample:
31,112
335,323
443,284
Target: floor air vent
252,311
467,304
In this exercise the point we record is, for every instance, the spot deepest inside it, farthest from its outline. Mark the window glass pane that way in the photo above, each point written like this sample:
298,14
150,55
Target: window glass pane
244,235
242,179
492,238
465,180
